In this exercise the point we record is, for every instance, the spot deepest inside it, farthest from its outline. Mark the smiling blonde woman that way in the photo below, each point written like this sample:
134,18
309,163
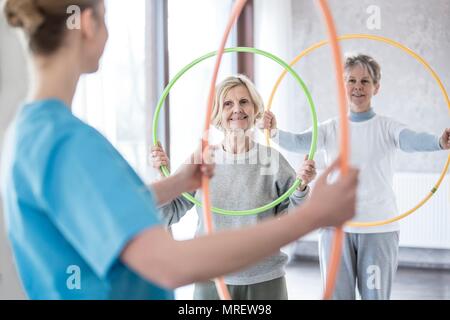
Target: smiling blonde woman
248,175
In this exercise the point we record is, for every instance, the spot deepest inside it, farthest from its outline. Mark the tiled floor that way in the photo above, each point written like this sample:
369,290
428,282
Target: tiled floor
303,278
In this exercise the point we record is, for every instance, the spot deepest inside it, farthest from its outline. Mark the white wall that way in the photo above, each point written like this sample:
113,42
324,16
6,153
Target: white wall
13,88
408,93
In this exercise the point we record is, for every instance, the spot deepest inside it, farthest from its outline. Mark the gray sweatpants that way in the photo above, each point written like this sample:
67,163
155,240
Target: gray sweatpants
369,262
269,290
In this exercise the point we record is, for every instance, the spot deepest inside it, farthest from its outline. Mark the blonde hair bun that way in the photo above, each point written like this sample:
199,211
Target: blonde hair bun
24,14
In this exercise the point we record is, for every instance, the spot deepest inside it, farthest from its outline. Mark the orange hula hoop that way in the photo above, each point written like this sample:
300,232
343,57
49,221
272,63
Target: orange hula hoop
222,289
336,249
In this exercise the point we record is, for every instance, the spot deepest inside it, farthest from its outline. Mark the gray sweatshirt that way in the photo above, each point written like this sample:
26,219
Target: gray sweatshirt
240,182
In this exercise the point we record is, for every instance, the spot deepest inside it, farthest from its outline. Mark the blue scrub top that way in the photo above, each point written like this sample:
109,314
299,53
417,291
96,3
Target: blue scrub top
72,203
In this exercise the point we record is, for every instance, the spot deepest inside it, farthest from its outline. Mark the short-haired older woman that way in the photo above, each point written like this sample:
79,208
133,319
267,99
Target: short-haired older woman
370,253
247,175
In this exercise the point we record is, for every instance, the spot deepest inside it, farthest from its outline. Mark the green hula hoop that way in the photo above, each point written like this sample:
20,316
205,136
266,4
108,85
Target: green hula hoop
286,66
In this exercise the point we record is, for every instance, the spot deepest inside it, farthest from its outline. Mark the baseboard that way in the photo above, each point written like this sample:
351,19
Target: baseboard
408,257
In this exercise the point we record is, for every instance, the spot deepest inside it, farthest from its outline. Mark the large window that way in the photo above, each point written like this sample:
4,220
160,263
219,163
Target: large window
113,99
194,28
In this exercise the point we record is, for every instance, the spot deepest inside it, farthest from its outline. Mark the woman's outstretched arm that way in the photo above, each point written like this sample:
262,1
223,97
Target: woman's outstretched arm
170,263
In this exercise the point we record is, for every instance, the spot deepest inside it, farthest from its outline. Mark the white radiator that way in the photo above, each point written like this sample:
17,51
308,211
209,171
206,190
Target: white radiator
429,226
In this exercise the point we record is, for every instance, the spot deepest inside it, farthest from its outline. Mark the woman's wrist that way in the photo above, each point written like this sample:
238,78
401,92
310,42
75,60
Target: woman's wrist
180,183
309,213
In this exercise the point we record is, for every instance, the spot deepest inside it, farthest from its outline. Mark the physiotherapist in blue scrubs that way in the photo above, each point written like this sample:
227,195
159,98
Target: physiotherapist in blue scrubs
74,206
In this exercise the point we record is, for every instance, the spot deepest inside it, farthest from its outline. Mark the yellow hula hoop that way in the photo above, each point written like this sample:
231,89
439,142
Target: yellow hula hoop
427,67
